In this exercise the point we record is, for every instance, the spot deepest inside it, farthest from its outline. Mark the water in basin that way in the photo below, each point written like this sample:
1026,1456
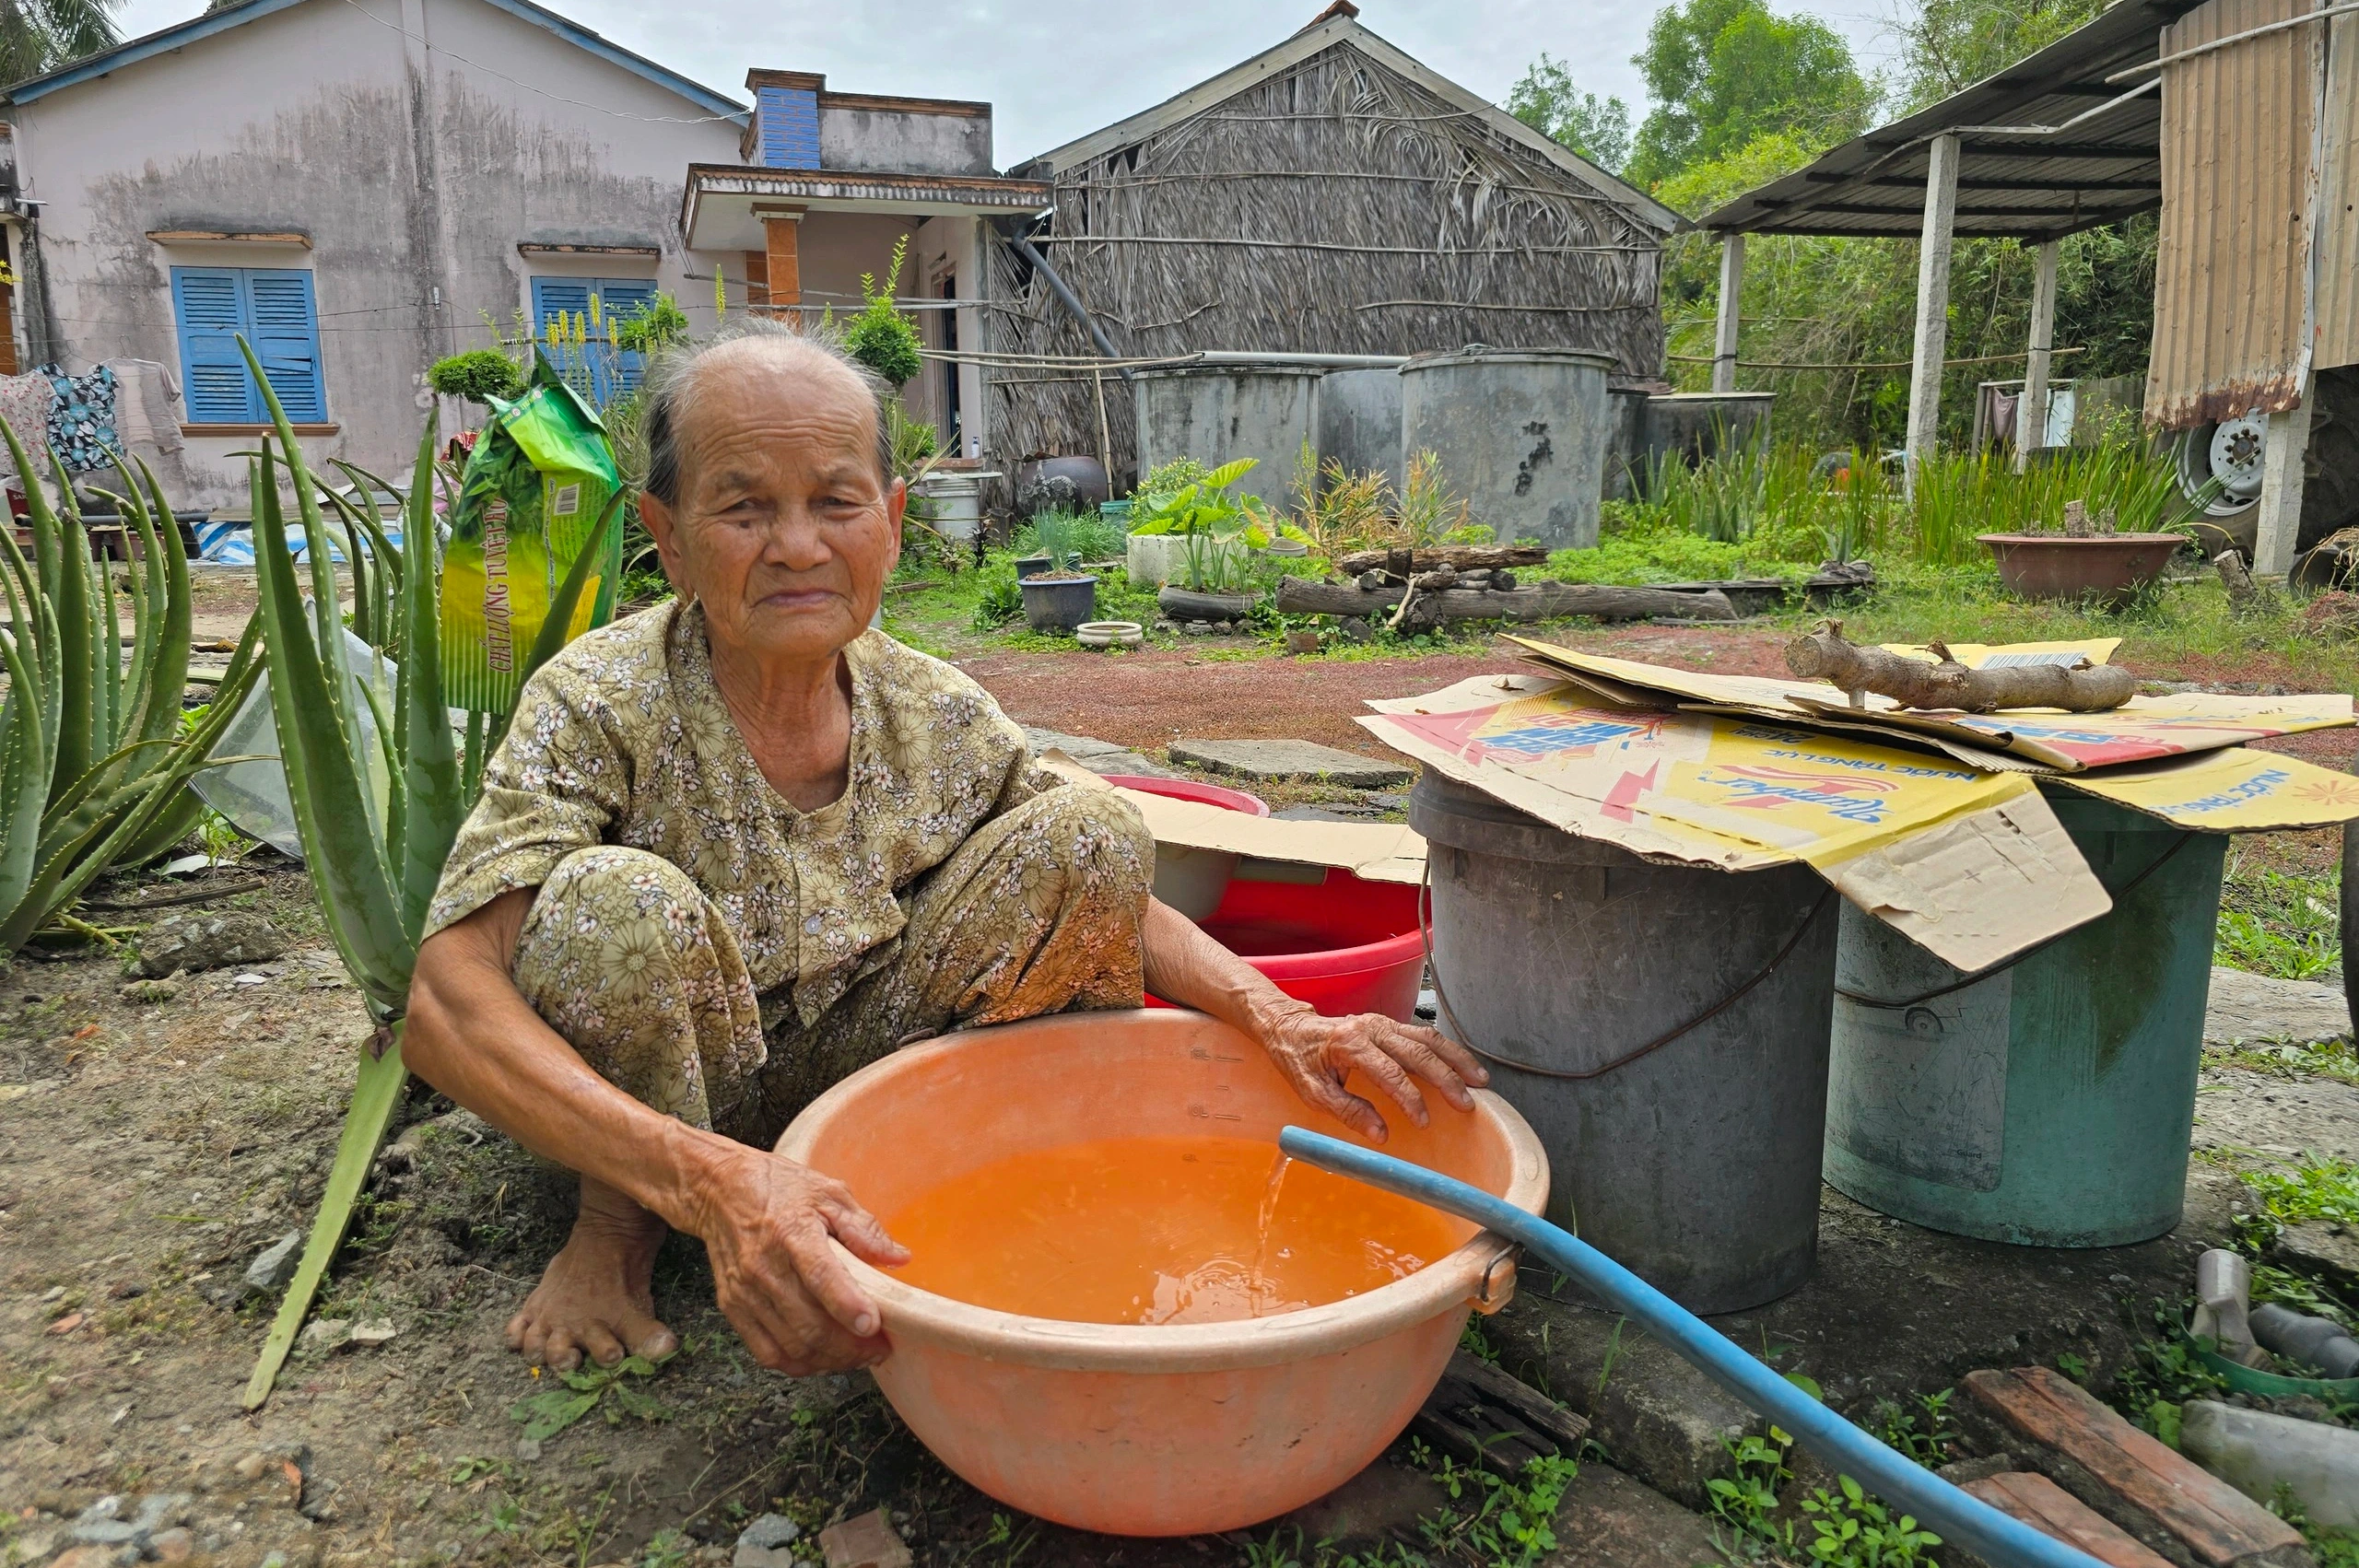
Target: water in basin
1161,1230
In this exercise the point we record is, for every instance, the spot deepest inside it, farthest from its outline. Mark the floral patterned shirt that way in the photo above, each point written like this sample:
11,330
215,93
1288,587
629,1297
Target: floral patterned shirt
624,739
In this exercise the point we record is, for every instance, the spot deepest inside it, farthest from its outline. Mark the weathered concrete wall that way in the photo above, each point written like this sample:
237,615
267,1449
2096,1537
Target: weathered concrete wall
324,120
903,141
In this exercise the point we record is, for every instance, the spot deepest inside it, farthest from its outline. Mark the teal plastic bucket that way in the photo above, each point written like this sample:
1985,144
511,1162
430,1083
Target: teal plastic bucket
2047,1103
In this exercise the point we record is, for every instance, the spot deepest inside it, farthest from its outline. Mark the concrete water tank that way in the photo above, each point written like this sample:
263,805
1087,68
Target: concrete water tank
1626,444
1216,413
1521,435
1695,425
1359,422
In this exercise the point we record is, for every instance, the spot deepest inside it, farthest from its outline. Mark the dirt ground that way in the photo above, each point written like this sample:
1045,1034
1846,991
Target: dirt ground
148,1150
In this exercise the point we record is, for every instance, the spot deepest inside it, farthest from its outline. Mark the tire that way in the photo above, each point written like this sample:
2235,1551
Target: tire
2329,473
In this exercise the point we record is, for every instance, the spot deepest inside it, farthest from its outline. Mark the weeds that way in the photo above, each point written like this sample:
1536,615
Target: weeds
1930,1444
2311,1189
1859,1532
603,1389
1746,1497
2281,924
2163,1373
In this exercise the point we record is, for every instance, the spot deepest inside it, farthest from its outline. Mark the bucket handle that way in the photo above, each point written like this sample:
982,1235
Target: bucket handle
1498,1285
1458,1030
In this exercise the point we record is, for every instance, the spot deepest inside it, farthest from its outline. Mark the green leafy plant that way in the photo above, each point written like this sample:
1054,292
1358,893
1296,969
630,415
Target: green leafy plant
1857,1531
2312,1187
1746,1498
1925,1435
478,375
606,1389
1216,528
2281,924
1510,1522
375,829
654,325
880,336
999,600
94,758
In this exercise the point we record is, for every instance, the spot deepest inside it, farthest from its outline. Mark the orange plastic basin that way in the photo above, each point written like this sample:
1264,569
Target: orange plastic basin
1131,1430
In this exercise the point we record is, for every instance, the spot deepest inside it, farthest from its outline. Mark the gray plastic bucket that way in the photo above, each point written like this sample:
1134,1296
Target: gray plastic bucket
1695,1164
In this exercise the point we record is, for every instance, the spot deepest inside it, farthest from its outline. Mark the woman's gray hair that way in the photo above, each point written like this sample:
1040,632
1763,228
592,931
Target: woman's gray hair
671,383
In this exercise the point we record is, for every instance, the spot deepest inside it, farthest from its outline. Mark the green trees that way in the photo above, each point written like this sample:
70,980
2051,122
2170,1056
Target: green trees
1596,128
40,35
1722,72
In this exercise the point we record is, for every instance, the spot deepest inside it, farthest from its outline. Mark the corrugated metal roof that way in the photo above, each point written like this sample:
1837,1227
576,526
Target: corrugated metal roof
2240,188
2036,187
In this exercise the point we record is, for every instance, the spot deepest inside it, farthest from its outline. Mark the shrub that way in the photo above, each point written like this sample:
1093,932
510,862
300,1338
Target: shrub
479,375
880,336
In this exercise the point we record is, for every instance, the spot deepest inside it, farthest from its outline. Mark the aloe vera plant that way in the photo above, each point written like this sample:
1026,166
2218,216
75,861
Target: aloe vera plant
374,864
94,759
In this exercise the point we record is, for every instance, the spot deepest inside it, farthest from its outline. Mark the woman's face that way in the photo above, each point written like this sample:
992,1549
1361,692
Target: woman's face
783,529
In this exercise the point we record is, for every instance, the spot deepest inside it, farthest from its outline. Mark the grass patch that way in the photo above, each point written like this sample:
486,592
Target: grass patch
2283,924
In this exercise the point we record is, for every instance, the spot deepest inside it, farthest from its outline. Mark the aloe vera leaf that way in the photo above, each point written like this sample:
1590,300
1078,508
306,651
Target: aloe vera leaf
68,586
176,618
328,620
431,782
562,603
133,508
389,559
471,763
374,1099
324,776
26,786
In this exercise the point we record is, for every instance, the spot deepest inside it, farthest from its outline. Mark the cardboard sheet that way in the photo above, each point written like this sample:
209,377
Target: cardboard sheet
1970,864
2146,729
2235,791
1375,851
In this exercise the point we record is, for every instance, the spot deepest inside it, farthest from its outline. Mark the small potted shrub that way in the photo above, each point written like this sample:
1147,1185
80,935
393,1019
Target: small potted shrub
2088,559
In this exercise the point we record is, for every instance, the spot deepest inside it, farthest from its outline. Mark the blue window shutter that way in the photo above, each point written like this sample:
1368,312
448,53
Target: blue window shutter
620,298
210,306
555,296
286,331
789,118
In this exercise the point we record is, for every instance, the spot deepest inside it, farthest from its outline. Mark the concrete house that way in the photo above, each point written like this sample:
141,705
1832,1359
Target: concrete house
364,186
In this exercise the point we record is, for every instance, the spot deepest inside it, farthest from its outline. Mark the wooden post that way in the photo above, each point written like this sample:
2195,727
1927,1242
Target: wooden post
784,273
1932,302
2281,489
2031,413
1724,339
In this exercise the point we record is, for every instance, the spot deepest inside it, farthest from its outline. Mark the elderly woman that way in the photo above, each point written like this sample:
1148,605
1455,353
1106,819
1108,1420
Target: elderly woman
740,845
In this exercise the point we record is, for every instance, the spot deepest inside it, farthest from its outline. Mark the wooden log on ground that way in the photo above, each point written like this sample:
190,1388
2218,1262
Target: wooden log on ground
1533,601
1185,605
1465,557
1479,1415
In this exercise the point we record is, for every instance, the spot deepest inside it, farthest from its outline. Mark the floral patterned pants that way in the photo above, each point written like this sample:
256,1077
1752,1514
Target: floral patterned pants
1036,912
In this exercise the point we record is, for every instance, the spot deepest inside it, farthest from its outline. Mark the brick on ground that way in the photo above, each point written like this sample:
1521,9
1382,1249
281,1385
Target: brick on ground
2049,1509
867,1541
2168,1502
1272,762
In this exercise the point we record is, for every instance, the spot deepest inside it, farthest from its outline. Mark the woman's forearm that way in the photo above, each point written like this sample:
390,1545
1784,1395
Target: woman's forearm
1186,967
472,1035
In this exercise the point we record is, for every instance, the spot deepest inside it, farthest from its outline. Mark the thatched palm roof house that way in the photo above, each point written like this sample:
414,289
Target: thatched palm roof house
1329,196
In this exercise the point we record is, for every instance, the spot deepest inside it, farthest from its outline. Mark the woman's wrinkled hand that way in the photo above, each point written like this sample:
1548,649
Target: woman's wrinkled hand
766,1222
1318,1053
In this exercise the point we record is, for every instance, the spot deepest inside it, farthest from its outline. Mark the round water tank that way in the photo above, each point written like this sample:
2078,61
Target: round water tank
1521,434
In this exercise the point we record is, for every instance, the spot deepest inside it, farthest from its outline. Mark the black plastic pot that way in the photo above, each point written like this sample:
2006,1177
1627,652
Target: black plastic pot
1033,566
1058,604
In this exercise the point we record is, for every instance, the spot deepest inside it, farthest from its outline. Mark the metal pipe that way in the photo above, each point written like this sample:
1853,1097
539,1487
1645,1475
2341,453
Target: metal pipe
1959,1517
2321,13
1315,361
1066,297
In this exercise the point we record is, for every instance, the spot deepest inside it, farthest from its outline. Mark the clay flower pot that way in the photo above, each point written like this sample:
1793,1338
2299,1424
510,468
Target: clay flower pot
2109,567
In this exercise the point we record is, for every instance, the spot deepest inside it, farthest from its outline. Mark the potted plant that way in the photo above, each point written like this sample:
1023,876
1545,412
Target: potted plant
2087,560
1214,530
1056,597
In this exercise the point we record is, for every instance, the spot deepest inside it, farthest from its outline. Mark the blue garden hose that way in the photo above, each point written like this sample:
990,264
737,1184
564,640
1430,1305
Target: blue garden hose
1958,1517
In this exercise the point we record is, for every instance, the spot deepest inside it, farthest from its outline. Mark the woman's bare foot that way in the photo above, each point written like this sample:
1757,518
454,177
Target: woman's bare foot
597,1297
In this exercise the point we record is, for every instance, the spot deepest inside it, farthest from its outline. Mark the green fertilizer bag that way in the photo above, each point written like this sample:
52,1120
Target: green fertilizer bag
533,489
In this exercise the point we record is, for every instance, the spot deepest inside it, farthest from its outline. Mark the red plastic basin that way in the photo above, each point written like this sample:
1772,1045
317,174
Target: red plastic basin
1342,945
1188,789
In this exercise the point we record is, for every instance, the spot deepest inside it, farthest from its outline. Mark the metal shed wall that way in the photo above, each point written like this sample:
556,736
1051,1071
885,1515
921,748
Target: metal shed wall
2239,194
2337,274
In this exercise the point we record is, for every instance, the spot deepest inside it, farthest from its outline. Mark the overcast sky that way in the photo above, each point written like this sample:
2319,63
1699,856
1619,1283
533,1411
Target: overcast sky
1057,69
